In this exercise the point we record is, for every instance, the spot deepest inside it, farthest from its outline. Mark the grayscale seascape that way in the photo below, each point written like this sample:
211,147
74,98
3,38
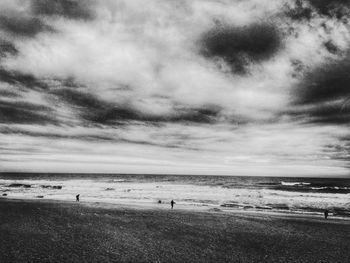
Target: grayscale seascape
175,131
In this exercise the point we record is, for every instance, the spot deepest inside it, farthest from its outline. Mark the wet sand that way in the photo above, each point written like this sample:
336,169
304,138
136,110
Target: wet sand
45,231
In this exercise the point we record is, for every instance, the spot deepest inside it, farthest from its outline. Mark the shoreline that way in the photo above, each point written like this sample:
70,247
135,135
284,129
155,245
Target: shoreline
185,208
229,195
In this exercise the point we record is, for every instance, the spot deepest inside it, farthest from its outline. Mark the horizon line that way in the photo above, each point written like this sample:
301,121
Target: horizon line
178,174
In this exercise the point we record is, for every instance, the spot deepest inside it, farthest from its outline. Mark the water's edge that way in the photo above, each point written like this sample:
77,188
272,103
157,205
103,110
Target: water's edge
270,194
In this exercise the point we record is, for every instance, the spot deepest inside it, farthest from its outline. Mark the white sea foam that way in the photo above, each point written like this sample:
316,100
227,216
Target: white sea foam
121,191
294,183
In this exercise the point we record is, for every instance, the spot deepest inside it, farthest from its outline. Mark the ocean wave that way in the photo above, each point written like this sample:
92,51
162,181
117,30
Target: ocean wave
51,186
17,185
279,206
294,183
330,188
232,205
314,187
246,206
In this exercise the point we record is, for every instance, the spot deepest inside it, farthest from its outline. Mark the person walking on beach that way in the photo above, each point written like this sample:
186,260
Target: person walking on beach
325,214
77,197
172,204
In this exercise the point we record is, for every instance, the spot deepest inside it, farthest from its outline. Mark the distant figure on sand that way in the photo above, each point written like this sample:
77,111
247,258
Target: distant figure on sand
77,197
172,204
325,214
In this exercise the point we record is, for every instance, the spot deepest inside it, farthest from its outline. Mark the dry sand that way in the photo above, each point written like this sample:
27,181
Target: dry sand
39,231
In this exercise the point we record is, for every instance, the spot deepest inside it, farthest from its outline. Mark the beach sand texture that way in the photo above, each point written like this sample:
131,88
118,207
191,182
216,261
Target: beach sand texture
35,231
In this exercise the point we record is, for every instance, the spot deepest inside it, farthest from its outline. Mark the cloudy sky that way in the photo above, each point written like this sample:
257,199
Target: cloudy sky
237,87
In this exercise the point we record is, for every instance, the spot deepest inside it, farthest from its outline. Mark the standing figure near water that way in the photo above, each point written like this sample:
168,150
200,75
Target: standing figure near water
77,197
172,204
325,214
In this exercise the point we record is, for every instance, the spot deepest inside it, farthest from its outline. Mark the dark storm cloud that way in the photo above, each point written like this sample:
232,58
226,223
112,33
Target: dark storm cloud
207,114
8,94
7,48
239,46
24,112
331,47
337,113
327,83
74,9
18,78
305,9
22,25
331,114
335,8
96,110
300,11
324,94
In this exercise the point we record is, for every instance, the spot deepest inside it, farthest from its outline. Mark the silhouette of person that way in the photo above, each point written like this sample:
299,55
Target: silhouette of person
77,197
325,214
172,204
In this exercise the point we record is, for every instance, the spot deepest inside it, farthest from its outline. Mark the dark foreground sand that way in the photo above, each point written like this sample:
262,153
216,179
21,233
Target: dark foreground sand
32,231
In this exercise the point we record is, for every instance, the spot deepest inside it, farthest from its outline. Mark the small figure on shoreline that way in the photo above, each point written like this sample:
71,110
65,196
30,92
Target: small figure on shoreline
77,197
172,204
325,214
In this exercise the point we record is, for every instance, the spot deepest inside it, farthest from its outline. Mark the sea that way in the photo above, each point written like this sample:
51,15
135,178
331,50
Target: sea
281,194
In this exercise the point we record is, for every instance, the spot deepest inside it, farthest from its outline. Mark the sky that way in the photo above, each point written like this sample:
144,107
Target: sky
217,87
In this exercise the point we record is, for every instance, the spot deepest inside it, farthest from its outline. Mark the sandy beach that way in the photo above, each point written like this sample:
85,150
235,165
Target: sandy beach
51,231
